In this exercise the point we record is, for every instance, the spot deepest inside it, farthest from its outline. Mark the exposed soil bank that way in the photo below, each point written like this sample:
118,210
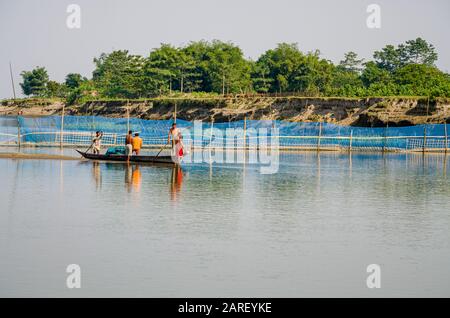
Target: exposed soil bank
372,112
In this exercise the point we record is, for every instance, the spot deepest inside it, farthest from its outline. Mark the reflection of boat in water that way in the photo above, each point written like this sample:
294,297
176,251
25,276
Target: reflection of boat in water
134,159
133,176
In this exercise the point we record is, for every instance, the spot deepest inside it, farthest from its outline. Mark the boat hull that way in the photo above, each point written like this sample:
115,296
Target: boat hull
123,158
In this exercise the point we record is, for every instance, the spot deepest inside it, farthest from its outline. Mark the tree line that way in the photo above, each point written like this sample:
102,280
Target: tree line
220,67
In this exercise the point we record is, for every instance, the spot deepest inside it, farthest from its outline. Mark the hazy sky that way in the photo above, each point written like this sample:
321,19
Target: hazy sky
34,32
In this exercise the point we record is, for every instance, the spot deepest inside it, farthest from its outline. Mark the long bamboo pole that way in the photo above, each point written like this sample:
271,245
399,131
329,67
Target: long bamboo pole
18,132
245,132
61,138
12,80
446,138
210,139
175,113
424,138
319,137
351,140
128,116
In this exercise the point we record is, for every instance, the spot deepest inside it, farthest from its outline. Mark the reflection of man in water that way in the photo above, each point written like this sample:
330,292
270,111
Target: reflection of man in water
133,178
96,173
136,178
175,182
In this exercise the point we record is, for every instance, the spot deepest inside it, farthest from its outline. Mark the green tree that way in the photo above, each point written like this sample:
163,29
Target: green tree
373,73
119,74
161,69
279,65
345,83
55,89
288,69
74,80
261,79
416,51
35,81
219,67
172,68
197,52
86,90
346,79
388,58
313,76
188,79
351,63
423,80
227,70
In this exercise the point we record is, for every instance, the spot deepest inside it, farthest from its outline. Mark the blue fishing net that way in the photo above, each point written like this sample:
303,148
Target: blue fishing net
81,129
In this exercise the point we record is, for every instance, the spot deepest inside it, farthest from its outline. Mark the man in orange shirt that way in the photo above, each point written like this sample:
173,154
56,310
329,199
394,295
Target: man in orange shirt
137,144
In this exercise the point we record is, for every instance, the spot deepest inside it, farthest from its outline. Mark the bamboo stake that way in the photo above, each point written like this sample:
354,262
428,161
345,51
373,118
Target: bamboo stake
223,83
210,139
18,132
182,83
351,140
12,80
62,127
245,132
424,138
319,137
175,114
446,138
128,116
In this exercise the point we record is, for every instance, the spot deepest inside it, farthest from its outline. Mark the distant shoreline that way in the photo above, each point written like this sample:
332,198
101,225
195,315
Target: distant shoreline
366,112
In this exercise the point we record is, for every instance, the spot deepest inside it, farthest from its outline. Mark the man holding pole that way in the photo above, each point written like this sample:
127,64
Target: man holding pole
97,142
177,144
129,144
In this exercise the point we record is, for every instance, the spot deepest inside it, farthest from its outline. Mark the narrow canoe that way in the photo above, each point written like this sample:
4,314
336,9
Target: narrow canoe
123,158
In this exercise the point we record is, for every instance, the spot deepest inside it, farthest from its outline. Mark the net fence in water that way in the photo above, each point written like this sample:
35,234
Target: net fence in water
79,130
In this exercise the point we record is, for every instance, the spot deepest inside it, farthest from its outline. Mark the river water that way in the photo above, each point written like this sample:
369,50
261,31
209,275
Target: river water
226,230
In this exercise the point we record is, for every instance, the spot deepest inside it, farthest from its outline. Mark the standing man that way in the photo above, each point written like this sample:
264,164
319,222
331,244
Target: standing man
137,144
177,145
97,142
129,144
174,134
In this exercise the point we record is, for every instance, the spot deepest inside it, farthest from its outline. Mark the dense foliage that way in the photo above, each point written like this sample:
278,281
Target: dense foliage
221,68
35,82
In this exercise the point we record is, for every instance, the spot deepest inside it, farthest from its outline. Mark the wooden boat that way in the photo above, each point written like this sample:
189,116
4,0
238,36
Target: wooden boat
123,158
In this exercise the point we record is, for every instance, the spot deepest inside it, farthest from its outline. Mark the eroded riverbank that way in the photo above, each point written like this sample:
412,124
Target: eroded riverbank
368,112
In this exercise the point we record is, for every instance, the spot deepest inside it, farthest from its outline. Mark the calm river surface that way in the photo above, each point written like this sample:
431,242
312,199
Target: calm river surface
226,230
